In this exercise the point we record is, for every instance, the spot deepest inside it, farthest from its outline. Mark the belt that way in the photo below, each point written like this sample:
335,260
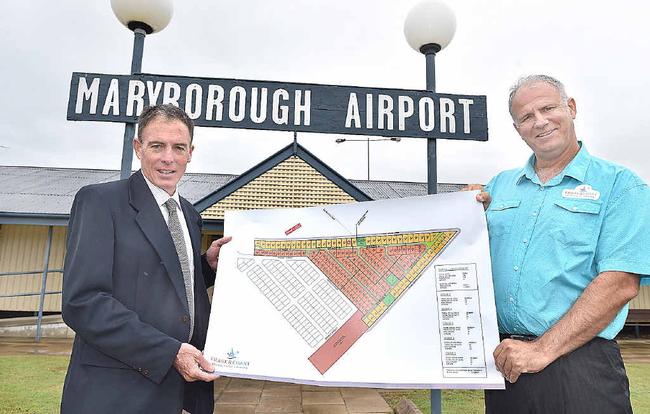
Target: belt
517,337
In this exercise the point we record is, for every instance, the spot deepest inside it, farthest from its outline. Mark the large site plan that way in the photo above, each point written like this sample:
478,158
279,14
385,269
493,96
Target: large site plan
358,294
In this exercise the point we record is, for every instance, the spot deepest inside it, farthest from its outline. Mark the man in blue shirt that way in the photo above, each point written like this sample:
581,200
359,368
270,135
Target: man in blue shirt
570,241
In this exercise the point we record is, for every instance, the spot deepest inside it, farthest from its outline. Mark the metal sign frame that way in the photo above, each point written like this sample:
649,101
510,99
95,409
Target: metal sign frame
281,106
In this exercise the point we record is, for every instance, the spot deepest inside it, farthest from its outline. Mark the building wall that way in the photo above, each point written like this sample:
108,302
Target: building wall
642,301
22,249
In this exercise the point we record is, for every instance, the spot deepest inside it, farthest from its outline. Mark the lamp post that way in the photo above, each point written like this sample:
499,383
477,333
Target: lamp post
342,140
429,27
143,17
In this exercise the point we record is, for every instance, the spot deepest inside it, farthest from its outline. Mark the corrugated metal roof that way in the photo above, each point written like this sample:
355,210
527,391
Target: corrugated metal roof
46,190
195,186
400,189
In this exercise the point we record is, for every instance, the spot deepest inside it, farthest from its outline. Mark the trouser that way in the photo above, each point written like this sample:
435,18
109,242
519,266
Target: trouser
591,379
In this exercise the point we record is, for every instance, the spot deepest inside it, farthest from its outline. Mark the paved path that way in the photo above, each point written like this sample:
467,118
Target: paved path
635,350
243,396
27,346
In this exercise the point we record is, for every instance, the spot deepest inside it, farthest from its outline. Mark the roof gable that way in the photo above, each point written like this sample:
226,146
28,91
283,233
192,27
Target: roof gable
292,177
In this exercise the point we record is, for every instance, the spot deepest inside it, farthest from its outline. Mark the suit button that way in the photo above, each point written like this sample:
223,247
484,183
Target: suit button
145,371
185,318
139,369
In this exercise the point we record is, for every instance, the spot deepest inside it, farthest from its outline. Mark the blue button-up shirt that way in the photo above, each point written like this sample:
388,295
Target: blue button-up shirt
549,241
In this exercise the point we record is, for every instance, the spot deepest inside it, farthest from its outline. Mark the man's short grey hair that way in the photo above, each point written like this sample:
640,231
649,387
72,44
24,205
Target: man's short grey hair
168,112
530,79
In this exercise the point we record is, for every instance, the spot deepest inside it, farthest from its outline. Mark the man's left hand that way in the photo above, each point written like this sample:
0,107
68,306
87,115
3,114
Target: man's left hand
192,365
212,254
482,197
513,358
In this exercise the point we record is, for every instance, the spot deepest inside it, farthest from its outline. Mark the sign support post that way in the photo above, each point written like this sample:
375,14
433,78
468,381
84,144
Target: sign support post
430,51
129,127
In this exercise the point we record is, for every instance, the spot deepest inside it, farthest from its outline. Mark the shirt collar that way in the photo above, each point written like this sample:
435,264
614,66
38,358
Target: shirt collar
161,195
576,169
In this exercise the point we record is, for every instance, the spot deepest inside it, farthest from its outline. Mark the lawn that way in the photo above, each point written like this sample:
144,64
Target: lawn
31,384
453,401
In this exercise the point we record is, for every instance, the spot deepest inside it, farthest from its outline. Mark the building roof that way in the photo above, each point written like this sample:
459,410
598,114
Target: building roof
378,190
44,195
49,190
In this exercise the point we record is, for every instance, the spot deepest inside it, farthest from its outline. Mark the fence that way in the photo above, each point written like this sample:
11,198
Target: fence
43,291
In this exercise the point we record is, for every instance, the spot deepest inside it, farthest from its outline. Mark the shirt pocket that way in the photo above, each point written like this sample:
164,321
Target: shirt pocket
501,216
575,222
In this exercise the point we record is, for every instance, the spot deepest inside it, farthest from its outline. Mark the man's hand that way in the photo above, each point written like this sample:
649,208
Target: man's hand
590,314
191,364
513,358
212,254
482,197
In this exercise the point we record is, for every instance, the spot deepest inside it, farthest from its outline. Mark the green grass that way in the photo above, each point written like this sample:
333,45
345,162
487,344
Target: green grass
31,383
639,375
471,401
453,401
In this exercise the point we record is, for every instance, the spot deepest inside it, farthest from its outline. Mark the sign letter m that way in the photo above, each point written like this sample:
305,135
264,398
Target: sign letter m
87,93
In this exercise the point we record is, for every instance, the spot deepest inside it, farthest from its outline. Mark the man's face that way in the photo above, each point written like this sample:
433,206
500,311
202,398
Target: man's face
543,121
164,152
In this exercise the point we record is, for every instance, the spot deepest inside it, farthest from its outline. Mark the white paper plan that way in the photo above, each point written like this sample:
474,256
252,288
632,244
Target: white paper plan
388,293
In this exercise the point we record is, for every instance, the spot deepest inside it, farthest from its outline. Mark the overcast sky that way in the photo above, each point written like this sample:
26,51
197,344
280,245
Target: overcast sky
599,49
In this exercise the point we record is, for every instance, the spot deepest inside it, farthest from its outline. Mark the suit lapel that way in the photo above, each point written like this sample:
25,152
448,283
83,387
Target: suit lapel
153,225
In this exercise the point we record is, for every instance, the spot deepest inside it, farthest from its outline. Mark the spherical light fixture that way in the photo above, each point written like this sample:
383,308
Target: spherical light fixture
430,24
150,15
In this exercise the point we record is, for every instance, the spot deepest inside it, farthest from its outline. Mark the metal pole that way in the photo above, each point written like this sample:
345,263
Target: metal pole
129,128
430,51
46,265
368,142
436,402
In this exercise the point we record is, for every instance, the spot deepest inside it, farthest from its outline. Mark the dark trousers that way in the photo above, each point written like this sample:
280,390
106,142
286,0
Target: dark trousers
589,380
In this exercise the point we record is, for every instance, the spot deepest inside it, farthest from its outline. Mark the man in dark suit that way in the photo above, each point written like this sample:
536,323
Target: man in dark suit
134,287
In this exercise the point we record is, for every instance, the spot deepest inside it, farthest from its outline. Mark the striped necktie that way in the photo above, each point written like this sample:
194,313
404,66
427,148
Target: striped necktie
179,242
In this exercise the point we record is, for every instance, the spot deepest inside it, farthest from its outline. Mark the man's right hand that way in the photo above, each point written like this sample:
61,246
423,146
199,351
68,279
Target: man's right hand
482,197
212,254
192,365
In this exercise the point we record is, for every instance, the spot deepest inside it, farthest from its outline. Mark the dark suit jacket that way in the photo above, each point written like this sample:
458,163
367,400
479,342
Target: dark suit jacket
123,295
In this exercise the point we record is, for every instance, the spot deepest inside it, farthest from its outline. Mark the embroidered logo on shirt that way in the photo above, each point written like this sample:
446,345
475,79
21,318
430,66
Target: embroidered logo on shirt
584,192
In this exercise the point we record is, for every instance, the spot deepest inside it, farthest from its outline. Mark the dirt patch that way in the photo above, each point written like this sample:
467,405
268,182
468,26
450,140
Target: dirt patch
27,346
